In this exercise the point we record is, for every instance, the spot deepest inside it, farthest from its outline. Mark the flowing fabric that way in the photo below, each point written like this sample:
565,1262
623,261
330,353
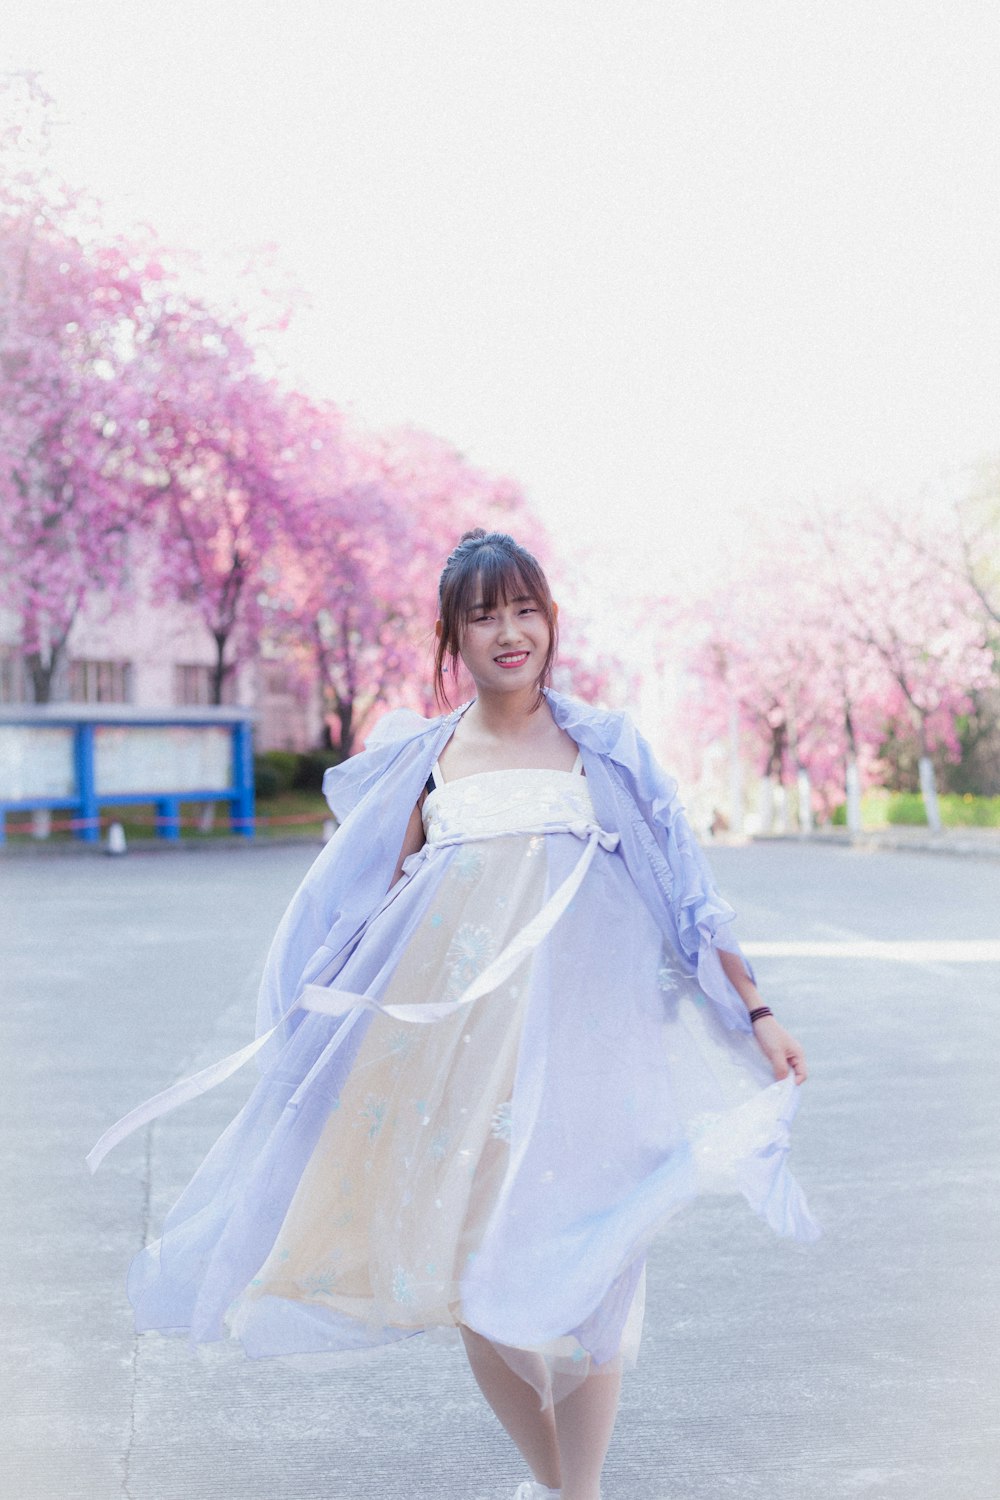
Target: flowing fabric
486,1089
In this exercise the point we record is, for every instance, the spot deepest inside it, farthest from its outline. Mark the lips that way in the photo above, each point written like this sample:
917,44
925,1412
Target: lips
511,659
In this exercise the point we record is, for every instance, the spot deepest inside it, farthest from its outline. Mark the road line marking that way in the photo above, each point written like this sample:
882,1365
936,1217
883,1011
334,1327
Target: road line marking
917,951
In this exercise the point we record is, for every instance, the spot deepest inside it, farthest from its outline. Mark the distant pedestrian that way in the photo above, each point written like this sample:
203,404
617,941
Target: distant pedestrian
505,1037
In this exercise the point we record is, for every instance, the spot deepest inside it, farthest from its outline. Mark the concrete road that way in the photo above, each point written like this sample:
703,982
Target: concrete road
865,1365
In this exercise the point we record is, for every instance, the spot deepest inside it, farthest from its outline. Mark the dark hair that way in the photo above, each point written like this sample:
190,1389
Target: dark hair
484,567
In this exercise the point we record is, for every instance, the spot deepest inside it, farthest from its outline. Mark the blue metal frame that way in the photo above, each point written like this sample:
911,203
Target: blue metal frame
87,802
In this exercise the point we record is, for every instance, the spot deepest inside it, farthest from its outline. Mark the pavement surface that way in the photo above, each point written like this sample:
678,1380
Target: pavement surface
978,843
864,1365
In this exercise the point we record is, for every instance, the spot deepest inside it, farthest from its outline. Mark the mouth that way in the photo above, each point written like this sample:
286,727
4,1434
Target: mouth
511,659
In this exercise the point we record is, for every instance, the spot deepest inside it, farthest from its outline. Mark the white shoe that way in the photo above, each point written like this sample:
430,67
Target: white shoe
532,1490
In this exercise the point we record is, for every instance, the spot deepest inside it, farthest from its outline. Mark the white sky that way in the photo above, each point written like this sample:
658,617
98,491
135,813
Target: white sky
659,261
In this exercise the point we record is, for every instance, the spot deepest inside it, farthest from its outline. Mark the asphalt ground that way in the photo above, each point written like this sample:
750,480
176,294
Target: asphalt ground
864,1365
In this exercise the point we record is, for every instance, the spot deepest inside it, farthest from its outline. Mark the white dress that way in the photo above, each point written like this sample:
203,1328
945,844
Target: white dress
397,1195
502,1087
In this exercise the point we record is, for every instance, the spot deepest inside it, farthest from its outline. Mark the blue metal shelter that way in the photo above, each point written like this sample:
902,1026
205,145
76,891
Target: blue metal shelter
77,758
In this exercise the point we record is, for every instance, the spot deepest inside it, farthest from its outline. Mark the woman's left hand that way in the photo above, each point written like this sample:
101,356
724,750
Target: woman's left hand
780,1048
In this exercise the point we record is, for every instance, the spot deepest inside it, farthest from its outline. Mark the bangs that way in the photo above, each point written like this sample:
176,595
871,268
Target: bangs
496,578
485,569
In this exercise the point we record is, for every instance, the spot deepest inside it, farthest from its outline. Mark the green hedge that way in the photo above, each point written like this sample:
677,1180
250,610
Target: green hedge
310,768
956,811
907,809
278,771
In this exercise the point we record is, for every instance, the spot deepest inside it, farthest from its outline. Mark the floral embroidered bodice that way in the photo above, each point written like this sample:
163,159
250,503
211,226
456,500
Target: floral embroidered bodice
490,803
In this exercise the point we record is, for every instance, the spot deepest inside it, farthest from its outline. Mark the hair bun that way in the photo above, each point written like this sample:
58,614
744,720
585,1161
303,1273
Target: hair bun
477,534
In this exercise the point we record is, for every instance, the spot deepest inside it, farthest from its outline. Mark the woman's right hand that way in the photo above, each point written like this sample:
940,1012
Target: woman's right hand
780,1048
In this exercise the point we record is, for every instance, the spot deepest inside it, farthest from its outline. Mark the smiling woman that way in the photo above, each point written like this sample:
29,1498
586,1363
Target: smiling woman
509,1038
496,609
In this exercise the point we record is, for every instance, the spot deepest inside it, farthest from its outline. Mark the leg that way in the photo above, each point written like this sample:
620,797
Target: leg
585,1420
516,1404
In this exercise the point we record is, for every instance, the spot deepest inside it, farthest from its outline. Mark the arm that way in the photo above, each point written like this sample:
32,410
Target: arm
698,911
740,979
780,1047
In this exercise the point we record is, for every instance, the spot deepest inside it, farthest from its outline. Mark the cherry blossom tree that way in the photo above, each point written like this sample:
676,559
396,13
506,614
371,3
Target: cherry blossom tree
828,639
375,515
957,535
69,305
141,439
898,603
219,448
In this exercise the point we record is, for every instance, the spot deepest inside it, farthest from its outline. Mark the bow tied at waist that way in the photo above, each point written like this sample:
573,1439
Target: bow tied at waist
328,1001
606,840
333,1002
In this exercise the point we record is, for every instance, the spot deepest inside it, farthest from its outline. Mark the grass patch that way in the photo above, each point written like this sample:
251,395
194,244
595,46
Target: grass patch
882,809
306,812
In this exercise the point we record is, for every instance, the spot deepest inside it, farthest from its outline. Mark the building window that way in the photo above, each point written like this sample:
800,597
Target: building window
193,685
100,681
13,677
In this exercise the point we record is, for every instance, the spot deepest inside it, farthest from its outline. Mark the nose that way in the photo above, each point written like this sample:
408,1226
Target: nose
510,630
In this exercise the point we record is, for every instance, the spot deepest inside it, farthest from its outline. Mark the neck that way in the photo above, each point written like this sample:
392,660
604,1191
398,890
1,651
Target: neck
507,714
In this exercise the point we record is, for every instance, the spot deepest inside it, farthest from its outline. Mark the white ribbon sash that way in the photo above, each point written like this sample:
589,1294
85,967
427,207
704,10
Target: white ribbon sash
322,1000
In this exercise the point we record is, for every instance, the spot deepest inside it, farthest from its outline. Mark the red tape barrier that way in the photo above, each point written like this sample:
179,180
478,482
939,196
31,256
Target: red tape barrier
72,825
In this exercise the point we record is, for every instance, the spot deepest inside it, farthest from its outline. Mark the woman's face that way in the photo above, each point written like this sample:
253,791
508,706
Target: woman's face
504,648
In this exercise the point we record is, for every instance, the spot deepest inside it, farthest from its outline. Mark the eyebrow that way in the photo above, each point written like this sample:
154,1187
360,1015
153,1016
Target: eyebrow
521,599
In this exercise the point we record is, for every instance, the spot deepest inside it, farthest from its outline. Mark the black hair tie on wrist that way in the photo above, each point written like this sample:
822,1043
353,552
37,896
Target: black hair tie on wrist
762,1010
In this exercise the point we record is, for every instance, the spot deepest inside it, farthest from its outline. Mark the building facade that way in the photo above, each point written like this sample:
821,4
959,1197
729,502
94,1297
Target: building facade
160,656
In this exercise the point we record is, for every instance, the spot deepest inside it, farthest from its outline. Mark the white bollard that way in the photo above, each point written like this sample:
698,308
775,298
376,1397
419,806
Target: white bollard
116,840
41,823
928,789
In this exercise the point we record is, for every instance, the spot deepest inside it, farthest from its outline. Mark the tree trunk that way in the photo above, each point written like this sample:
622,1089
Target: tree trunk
42,674
345,719
220,668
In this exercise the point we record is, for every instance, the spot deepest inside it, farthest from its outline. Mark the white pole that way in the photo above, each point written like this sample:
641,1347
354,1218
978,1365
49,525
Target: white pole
928,790
853,789
781,807
735,769
766,804
805,801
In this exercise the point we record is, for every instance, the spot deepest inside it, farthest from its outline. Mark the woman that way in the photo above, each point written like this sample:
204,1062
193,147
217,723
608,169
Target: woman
505,1038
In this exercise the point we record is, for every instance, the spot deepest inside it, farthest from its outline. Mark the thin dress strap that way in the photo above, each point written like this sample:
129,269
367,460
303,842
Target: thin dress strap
435,779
